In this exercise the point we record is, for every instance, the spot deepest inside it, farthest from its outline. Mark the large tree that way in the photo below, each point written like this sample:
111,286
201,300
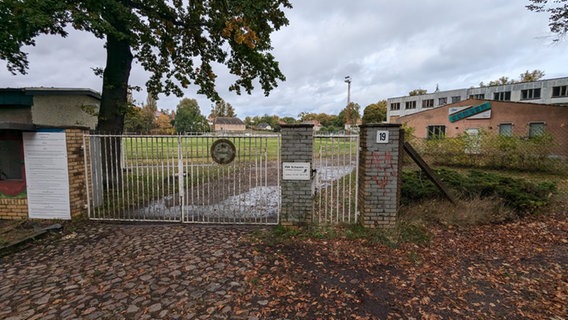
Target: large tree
177,42
558,10
222,109
375,112
350,114
189,117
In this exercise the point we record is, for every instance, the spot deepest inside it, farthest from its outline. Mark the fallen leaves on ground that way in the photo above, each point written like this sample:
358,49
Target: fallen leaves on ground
506,271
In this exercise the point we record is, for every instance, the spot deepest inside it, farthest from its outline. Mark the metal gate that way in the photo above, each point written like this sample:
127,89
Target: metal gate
336,159
175,178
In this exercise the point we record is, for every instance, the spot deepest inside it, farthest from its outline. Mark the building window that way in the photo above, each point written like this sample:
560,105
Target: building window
12,175
502,96
536,129
479,96
395,106
442,101
506,129
436,132
456,99
410,105
11,156
530,94
561,91
428,103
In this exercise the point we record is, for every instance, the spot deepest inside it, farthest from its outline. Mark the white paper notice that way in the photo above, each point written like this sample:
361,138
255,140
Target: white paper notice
296,171
47,175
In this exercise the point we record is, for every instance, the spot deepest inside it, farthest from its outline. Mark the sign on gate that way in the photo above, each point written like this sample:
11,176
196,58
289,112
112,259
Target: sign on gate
296,171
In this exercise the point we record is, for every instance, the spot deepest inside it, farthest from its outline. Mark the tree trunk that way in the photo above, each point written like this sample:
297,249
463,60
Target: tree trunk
115,86
113,107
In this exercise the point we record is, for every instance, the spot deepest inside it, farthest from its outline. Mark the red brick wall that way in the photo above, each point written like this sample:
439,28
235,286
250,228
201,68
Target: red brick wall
517,113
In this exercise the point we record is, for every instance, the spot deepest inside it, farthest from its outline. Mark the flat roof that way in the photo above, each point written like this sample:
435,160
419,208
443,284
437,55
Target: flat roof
22,96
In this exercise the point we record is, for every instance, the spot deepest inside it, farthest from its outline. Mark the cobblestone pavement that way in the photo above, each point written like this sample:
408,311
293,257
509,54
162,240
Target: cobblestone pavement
130,272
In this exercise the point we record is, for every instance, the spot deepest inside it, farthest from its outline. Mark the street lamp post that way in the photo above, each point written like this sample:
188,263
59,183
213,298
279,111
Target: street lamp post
348,80
347,109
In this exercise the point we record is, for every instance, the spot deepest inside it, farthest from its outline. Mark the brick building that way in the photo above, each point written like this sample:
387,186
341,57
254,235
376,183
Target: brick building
42,168
506,118
228,124
548,91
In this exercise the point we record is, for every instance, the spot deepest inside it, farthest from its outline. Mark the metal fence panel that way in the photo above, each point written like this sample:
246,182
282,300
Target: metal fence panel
173,178
336,160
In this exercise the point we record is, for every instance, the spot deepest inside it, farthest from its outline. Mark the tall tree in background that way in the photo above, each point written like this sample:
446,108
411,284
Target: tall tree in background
222,109
189,117
526,76
558,10
534,75
177,42
164,124
350,114
417,92
141,120
375,112
136,121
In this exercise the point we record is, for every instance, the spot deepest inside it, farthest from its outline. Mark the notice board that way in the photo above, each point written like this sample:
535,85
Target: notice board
47,174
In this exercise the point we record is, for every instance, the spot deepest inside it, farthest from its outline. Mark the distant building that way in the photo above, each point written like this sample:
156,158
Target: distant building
263,126
228,124
316,123
505,118
551,91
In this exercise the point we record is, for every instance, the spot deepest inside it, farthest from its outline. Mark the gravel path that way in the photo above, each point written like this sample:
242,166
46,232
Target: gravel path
131,272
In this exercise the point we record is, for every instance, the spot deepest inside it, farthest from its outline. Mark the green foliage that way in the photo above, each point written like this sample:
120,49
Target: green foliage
177,42
326,120
417,92
222,109
526,76
375,112
534,75
401,233
492,151
189,117
349,114
518,194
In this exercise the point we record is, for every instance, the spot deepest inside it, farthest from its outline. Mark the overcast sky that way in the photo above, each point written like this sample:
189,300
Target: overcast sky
387,47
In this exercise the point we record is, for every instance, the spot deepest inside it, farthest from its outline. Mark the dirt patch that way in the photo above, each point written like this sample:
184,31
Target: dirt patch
14,234
512,270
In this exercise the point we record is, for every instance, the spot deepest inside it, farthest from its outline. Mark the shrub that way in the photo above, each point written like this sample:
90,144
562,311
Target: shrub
523,196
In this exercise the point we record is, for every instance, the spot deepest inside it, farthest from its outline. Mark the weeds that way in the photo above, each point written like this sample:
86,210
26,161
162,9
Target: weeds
402,233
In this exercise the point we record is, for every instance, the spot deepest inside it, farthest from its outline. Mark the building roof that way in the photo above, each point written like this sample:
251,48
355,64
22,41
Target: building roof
23,96
263,125
228,120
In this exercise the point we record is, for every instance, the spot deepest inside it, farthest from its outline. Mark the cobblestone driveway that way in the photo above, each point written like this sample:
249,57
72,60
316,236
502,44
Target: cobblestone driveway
130,271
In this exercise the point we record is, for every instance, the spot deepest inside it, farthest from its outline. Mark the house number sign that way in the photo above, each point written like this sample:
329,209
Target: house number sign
382,136
223,151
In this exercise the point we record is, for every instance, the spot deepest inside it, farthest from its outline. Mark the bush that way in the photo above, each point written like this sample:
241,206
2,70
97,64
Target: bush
492,151
523,196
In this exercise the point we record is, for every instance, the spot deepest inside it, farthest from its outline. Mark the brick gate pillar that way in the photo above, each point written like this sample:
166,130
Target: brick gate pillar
296,178
380,164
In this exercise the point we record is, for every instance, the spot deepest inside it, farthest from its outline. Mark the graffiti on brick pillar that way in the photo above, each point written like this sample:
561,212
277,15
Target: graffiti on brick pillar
383,162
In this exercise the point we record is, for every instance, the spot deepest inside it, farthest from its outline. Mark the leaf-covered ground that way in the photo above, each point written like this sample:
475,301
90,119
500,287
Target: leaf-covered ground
515,270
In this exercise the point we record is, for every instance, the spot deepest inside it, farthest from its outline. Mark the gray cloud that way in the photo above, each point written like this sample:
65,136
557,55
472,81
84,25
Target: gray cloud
387,47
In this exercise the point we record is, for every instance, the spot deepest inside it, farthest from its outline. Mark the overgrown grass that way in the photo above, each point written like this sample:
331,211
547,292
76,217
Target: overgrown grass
402,233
